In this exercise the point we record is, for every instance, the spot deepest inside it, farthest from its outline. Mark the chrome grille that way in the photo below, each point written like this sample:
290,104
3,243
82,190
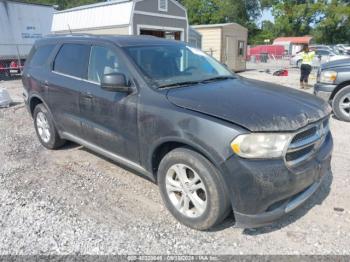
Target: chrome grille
305,143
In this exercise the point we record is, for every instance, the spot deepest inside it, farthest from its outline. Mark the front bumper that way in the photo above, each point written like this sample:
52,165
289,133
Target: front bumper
263,191
324,91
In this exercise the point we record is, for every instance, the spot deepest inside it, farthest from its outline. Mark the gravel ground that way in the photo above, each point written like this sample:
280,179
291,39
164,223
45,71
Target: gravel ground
72,201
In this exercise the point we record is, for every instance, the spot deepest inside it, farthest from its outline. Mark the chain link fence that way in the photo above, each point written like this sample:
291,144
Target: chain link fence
12,58
273,63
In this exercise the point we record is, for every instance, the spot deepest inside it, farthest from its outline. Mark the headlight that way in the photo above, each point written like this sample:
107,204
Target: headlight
328,77
261,145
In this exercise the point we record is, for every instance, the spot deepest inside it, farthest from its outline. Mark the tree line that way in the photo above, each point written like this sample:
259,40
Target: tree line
327,20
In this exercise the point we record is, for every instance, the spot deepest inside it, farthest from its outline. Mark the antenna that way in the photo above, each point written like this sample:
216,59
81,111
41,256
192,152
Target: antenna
69,28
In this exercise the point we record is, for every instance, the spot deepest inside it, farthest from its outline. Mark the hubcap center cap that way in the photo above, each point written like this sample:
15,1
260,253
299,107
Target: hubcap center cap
186,188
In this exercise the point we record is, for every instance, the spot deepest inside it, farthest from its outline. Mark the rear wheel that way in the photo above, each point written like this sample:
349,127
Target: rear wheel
45,128
192,189
341,104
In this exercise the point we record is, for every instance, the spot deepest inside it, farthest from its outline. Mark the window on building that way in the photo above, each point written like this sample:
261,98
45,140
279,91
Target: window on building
73,59
163,5
41,55
241,48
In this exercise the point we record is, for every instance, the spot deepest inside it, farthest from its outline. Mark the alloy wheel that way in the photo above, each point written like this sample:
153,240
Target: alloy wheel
186,190
344,105
43,127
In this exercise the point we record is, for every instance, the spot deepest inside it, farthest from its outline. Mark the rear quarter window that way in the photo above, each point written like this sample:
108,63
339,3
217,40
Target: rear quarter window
73,60
41,55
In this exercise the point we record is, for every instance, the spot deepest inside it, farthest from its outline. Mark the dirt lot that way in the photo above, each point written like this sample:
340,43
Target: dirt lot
72,201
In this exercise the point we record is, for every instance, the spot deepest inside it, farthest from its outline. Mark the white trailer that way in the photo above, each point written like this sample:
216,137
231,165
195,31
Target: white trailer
21,24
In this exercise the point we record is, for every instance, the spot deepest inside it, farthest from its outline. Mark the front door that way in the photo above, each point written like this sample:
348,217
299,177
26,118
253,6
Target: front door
109,119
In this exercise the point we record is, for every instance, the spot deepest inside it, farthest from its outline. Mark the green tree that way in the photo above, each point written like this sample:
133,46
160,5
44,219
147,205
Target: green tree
333,26
243,12
295,17
267,31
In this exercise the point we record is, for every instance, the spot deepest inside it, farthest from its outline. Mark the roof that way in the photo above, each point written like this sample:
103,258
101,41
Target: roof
107,14
106,3
115,13
294,40
119,40
216,25
26,3
83,7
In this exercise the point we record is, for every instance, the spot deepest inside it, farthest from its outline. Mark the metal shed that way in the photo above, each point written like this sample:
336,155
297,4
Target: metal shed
162,18
225,42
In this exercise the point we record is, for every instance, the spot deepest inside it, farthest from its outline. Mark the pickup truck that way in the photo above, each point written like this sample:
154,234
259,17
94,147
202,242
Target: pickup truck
333,85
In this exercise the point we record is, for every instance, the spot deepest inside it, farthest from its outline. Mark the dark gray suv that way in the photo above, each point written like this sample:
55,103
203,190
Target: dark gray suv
214,142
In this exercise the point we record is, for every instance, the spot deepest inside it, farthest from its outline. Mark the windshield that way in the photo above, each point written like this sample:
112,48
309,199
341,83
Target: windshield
171,65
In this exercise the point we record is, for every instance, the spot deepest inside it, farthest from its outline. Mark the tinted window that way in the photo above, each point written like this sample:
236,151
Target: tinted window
104,61
322,52
72,59
41,55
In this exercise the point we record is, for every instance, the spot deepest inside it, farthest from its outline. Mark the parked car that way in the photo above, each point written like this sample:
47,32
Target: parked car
214,142
333,85
344,49
324,47
322,56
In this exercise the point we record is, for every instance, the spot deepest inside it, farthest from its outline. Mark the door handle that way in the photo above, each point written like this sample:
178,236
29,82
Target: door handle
88,95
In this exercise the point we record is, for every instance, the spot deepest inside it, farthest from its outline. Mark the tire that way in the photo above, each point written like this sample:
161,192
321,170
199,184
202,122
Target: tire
210,190
5,74
341,104
45,128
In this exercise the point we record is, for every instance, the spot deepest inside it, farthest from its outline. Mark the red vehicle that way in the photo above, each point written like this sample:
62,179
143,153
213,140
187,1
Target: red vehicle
262,50
9,67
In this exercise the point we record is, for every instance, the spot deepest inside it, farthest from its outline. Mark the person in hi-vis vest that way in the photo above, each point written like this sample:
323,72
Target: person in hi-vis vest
306,66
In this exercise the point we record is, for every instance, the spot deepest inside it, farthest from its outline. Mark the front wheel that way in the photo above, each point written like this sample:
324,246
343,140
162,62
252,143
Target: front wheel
192,189
341,104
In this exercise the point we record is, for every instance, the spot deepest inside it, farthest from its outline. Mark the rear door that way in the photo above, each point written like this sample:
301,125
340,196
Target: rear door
109,119
36,71
69,72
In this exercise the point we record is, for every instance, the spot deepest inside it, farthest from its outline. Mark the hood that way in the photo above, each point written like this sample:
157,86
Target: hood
255,105
337,63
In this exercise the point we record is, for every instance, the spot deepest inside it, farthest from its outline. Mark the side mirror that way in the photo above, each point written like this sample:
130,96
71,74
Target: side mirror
115,82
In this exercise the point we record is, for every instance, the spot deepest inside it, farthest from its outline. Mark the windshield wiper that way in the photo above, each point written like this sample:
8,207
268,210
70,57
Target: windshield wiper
217,78
187,83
